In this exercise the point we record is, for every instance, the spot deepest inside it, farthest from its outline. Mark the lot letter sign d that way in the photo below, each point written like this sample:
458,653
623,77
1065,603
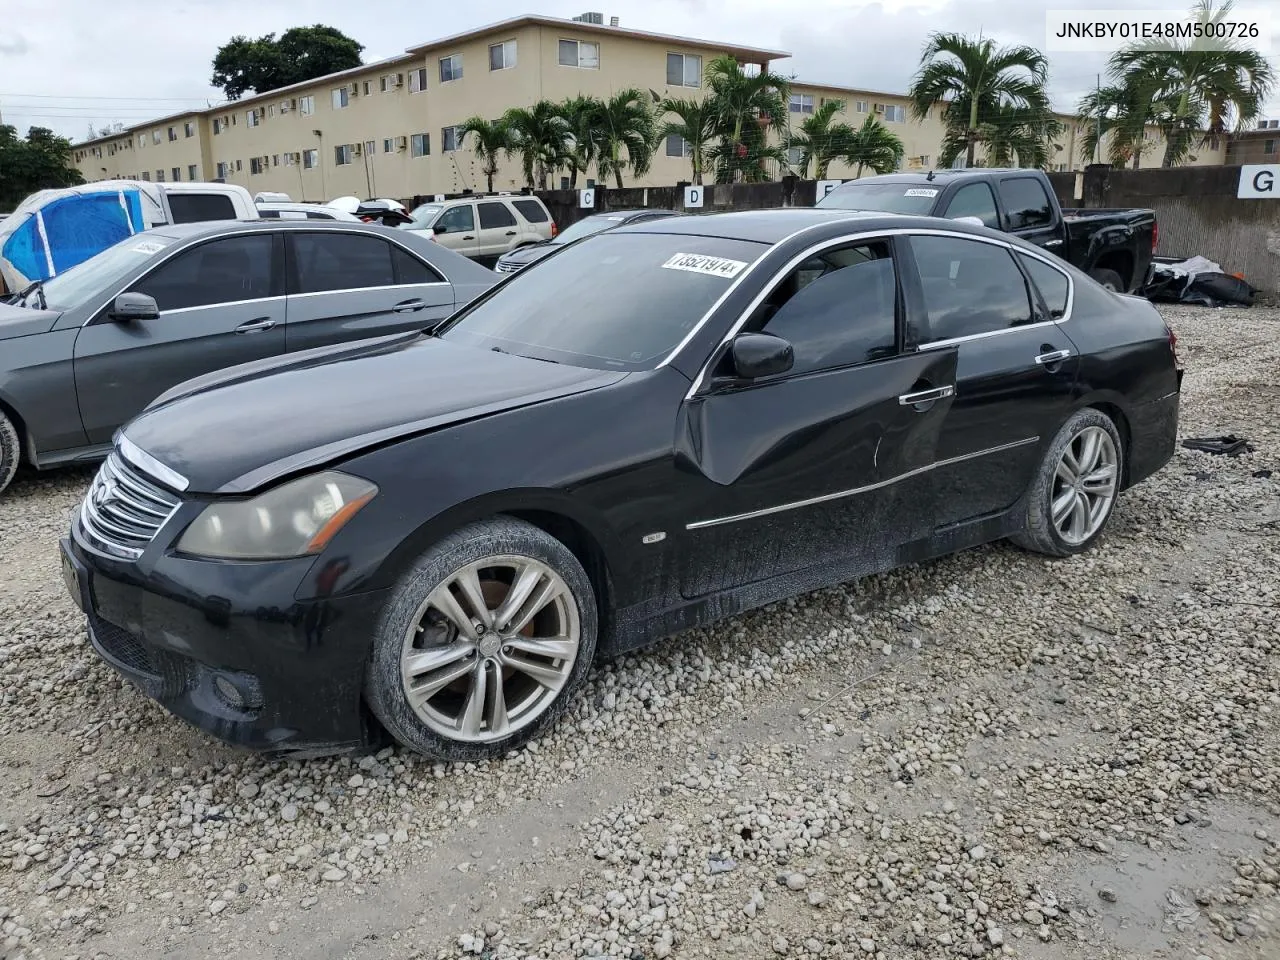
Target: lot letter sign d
1259,181
693,196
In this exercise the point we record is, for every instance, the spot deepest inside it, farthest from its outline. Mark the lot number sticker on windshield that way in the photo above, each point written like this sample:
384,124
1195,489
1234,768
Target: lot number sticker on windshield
699,263
921,192
147,246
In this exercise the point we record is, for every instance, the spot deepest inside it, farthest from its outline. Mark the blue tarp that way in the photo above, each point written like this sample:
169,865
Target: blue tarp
70,229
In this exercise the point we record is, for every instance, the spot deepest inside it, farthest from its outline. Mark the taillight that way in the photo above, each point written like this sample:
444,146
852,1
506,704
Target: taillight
1173,340
554,228
1155,236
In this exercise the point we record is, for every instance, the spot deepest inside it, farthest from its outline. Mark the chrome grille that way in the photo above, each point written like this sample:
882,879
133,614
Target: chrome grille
501,267
124,510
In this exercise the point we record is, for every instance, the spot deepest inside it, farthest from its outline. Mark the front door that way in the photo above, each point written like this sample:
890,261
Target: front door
345,285
789,473
498,228
221,303
1015,376
459,230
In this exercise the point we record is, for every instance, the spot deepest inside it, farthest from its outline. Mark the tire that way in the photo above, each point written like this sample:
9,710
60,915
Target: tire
1109,279
10,451
1062,535
418,648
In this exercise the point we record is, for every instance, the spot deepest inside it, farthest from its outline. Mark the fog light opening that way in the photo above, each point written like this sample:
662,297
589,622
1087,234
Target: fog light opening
239,693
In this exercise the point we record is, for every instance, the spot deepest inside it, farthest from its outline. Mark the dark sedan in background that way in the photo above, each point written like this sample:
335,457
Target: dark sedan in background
434,535
88,349
521,257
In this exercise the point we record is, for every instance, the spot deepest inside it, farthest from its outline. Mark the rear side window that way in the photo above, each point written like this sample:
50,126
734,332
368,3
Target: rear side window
531,210
409,269
1050,281
969,287
836,309
1026,202
335,261
198,207
269,214
495,215
974,200
318,216
221,271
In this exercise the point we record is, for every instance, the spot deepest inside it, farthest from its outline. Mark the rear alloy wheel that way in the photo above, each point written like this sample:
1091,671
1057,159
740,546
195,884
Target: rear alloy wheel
1109,279
1074,492
10,451
484,642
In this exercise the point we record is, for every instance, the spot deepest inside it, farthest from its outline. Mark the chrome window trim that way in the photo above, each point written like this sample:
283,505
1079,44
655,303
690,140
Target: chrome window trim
385,286
869,235
854,491
150,465
213,306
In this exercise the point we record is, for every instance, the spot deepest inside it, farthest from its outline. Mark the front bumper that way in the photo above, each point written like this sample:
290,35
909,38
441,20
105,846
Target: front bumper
227,648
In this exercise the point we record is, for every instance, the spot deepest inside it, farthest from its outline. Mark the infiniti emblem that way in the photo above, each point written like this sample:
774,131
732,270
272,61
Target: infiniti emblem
102,492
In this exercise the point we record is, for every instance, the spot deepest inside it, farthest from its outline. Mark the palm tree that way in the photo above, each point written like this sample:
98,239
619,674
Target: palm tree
695,123
1119,113
582,114
1197,92
541,136
625,122
821,141
489,138
973,79
746,108
873,145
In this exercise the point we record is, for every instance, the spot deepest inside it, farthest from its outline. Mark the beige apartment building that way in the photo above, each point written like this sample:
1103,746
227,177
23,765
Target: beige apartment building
390,129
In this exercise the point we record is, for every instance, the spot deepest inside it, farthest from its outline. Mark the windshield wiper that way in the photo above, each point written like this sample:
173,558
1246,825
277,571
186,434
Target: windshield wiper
36,286
524,355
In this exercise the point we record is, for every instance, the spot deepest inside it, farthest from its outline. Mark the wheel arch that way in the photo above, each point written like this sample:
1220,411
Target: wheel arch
1120,262
1114,406
26,446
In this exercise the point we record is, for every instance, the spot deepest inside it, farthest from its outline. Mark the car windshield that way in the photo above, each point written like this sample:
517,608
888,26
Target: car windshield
584,228
93,277
621,302
910,198
422,215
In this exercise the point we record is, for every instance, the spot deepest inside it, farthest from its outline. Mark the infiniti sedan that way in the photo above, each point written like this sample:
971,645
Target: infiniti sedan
433,536
86,350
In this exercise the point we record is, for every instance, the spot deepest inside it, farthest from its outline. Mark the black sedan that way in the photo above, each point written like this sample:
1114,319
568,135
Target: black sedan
521,257
435,535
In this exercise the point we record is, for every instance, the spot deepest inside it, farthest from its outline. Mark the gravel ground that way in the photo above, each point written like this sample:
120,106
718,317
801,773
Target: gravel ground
992,754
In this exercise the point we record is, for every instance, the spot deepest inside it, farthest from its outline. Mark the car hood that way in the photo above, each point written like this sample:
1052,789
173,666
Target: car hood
242,429
23,322
526,255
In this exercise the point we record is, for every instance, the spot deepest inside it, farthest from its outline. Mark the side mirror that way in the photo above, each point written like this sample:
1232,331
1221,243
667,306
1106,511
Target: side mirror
761,355
440,228
129,307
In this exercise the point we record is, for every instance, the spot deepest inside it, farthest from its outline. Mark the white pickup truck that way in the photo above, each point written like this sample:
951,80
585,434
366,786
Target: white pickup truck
53,230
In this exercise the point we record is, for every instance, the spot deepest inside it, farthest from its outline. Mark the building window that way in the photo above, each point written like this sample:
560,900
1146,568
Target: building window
146,176
370,147
502,56
253,117
342,154
159,176
795,156
449,138
1268,147
189,129
176,173
289,159
894,114
221,171
142,138
239,165
801,103
255,166
341,97
173,134
219,124
862,106
306,106
418,80
365,88
387,145
450,68
684,70
420,143
271,109
193,172
155,136
678,146
580,53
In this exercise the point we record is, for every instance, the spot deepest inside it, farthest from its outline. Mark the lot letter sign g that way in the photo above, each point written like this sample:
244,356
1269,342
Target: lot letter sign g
1258,182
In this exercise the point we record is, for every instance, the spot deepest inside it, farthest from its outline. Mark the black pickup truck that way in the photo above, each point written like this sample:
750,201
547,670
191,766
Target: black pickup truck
1113,246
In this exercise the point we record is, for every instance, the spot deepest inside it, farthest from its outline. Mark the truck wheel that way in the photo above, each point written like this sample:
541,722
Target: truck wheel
10,451
1109,279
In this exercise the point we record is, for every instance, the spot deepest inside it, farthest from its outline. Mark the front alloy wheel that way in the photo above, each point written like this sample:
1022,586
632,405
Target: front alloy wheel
483,642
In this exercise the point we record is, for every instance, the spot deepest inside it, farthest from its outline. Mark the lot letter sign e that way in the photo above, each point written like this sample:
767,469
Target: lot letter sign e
1259,181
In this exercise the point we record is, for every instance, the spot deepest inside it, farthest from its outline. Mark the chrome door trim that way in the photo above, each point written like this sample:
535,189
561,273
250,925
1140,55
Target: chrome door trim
827,497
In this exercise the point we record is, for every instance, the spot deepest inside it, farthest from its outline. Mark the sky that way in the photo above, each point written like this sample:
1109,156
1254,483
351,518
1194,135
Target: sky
69,63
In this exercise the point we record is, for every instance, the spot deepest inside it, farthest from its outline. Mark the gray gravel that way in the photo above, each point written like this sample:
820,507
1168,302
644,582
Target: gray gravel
989,755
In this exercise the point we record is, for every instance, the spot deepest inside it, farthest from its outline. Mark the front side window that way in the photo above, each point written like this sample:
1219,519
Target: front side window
340,261
1051,282
494,215
677,278
1026,202
579,53
451,68
502,56
459,219
974,200
221,271
836,309
969,287
684,70
97,275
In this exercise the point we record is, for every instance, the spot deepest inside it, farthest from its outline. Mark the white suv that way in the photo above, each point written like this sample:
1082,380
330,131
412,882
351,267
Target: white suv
485,226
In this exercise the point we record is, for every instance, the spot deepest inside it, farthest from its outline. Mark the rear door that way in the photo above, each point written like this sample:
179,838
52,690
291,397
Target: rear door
346,285
221,303
459,233
1030,213
499,231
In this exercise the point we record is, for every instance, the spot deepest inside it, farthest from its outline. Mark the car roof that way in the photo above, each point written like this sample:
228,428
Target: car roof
184,231
768,226
935,175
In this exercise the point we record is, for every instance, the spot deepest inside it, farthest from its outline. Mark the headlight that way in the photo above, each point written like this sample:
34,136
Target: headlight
293,520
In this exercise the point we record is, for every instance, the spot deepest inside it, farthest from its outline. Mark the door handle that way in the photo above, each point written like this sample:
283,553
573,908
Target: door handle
1052,357
511,233
1052,243
469,236
408,306
256,326
925,396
